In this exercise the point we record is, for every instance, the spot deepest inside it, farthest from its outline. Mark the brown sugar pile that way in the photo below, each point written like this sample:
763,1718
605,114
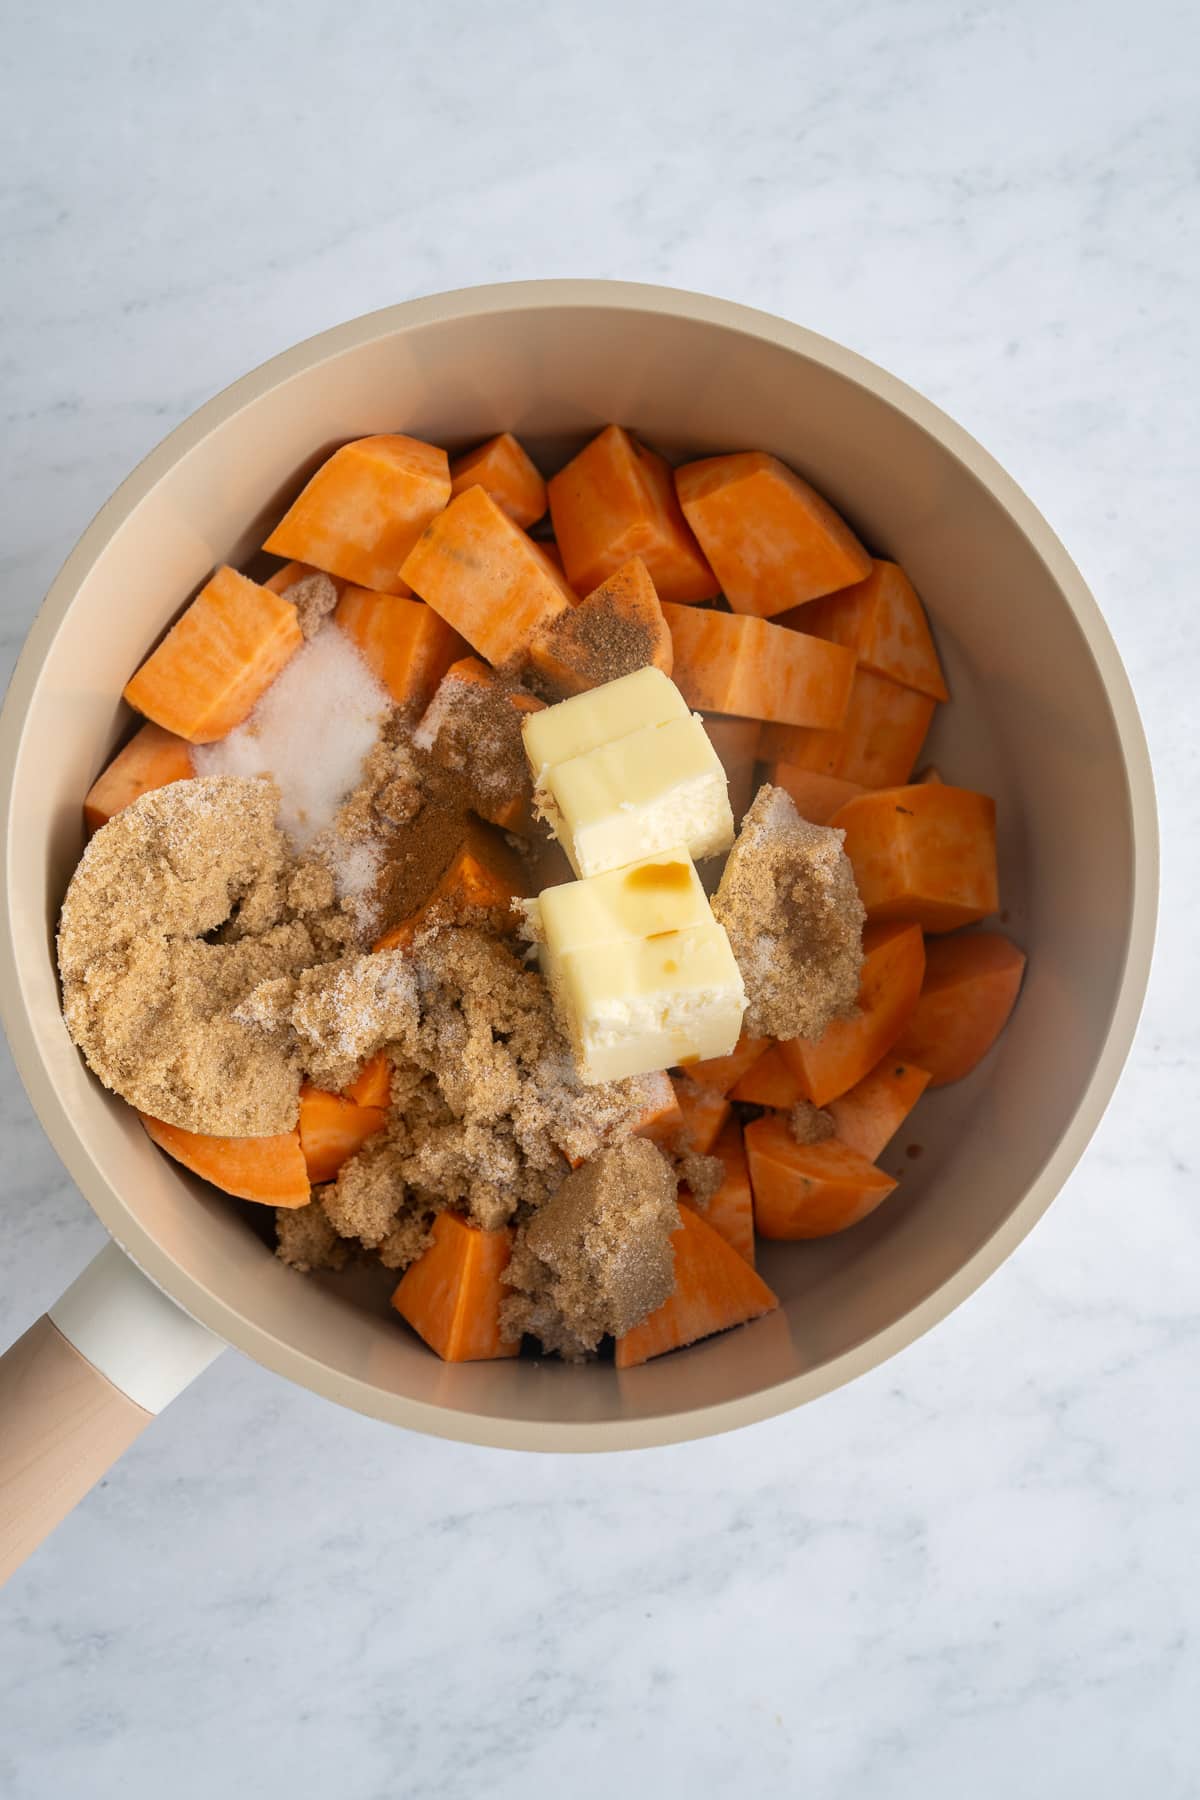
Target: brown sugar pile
472,730
809,1125
177,911
601,641
788,901
314,598
597,1257
337,1015
307,1239
487,1112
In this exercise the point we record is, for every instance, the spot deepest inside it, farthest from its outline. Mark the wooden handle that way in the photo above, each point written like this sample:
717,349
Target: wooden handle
62,1425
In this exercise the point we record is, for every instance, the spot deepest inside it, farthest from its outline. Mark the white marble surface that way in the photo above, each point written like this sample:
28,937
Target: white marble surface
976,1570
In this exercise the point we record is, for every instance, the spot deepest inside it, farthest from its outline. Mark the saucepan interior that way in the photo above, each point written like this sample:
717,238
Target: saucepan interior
1041,717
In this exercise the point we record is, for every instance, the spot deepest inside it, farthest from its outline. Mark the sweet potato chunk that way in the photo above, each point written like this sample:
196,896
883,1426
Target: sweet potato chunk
730,1211
451,1295
882,620
808,1190
722,1073
970,988
364,509
292,573
704,1110
726,663
403,642
332,1129
486,578
268,1169
768,1081
925,853
616,499
817,797
870,1114
773,542
152,758
372,1085
893,966
879,741
505,470
715,1288
617,628
662,1121
217,660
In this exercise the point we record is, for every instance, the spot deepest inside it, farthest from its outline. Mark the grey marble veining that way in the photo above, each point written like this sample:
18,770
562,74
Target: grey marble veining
975,1571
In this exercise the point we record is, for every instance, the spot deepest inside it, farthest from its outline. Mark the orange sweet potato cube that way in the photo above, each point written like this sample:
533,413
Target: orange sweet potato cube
773,542
506,471
364,509
404,643
452,1294
270,1170
892,971
617,628
728,663
868,1115
882,620
817,796
704,1110
486,578
970,988
808,1190
217,660
925,853
730,1211
768,1081
616,499
878,742
151,759
332,1129
715,1288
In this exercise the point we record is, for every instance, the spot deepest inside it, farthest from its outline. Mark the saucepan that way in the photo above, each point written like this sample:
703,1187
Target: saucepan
1042,717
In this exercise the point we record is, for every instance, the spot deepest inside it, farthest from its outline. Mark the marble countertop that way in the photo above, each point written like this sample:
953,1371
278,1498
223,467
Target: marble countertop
975,1570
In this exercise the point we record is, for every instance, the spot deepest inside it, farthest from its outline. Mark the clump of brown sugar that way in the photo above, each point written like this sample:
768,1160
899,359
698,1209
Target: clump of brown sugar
338,1014
597,1257
487,1111
703,1176
314,598
306,1239
156,953
809,1125
788,901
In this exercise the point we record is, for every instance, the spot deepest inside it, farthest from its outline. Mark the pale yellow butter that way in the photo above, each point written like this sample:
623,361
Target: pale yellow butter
650,1003
659,786
659,893
641,974
583,723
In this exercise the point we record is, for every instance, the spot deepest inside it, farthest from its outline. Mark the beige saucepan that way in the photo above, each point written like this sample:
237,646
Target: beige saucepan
1042,717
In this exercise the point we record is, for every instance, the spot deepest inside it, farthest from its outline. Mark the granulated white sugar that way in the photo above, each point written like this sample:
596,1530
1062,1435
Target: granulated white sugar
310,731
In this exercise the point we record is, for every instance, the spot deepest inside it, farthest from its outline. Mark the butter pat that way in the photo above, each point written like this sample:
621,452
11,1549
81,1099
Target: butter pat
583,723
650,1003
660,893
641,974
659,786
